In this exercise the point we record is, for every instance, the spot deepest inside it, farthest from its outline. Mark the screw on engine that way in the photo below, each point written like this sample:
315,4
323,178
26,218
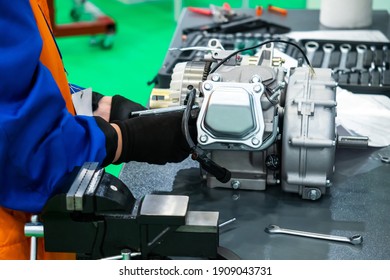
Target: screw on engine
255,79
314,194
216,78
272,162
203,138
235,184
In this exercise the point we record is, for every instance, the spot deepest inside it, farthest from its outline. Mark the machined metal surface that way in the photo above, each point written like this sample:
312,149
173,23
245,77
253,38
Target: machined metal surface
309,133
202,218
74,198
167,205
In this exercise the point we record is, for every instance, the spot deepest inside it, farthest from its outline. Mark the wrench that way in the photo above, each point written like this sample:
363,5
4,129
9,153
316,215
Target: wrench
355,240
345,49
328,48
384,159
311,48
361,50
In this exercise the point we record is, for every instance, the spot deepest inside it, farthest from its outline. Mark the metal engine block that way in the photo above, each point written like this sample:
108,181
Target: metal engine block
265,123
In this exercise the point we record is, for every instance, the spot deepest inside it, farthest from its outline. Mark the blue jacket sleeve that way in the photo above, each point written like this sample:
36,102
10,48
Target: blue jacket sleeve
40,141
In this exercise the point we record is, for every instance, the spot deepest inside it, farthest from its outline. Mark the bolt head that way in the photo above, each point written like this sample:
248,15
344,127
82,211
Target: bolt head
207,86
235,184
314,194
203,138
255,141
255,79
215,78
257,88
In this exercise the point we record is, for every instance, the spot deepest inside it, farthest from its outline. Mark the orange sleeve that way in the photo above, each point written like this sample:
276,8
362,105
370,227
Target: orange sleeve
50,55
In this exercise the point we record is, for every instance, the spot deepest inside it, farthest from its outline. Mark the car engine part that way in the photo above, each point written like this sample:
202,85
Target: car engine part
264,123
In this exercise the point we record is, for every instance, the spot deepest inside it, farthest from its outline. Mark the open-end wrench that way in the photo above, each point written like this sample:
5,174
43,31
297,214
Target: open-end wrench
355,240
361,50
311,48
344,49
384,159
328,48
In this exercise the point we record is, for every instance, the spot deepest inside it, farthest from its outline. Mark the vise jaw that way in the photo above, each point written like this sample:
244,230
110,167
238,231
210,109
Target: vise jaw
96,216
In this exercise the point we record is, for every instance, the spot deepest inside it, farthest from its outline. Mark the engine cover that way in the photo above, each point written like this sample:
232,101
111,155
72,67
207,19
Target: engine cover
309,133
231,116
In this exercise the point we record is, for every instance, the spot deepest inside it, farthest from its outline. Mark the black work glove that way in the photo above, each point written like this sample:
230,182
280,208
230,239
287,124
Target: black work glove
95,100
121,107
155,139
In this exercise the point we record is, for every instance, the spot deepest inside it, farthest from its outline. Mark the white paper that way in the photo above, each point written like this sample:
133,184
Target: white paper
82,102
364,115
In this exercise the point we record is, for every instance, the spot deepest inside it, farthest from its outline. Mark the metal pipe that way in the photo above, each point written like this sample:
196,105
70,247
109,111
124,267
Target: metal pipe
34,229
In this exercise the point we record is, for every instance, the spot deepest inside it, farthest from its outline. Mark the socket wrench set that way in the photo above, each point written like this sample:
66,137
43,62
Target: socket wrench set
361,67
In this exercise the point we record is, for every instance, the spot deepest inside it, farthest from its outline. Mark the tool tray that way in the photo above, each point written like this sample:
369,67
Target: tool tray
360,73
359,66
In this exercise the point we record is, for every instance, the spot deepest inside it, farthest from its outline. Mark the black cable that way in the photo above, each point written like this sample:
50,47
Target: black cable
221,174
187,115
260,45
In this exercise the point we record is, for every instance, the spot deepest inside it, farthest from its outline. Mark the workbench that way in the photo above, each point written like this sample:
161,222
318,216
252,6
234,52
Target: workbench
358,202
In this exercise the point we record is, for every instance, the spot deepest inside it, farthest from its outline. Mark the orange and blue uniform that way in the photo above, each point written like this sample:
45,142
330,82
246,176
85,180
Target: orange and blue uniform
41,139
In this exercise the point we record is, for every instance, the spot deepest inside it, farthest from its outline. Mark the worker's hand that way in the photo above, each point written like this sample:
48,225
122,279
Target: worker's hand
121,108
113,108
156,139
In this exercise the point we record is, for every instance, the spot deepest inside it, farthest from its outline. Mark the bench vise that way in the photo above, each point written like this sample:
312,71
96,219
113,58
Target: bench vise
96,216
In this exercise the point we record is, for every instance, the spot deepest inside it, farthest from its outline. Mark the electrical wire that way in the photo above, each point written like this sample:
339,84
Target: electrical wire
187,116
221,174
260,45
